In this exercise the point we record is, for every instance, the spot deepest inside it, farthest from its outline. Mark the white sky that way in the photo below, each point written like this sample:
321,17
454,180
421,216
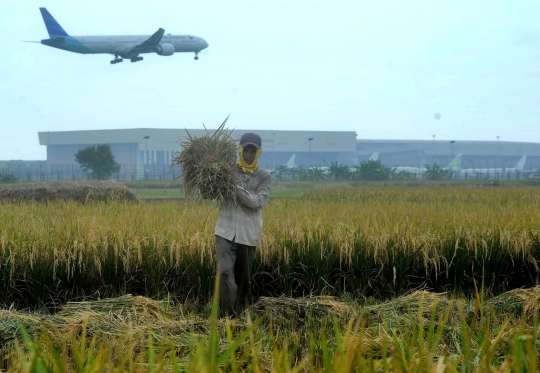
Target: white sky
381,68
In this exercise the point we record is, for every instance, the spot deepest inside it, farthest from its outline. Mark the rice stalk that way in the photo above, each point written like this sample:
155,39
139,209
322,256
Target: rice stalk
413,333
365,243
207,164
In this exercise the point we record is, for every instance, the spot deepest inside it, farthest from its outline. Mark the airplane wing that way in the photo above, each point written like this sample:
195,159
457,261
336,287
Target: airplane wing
146,46
152,41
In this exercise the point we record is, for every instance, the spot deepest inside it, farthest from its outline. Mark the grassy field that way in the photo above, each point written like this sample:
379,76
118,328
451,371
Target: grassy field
284,189
369,247
145,193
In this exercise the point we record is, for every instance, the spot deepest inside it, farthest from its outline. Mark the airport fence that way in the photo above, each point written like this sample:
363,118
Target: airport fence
346,173
52,172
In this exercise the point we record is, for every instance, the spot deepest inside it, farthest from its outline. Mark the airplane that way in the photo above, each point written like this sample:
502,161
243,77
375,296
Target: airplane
373,157
120,46
453,166
496,172
326,169
289,165
290,162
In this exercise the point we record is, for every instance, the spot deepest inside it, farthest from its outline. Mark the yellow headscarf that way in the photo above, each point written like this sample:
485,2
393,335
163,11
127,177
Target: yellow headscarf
248,168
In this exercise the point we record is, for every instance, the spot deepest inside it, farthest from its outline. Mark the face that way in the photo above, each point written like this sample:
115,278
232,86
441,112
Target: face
249,154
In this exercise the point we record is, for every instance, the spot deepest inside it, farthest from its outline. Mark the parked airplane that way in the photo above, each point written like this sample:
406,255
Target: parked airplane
495,172
326,169
374,157
289,165
453,166
121,46
290,162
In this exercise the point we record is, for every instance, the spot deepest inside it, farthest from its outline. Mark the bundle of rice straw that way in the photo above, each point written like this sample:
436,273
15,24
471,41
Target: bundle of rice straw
79,191
207,164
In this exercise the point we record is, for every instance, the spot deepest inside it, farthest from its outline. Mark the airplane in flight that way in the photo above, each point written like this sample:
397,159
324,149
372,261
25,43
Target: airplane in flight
120,46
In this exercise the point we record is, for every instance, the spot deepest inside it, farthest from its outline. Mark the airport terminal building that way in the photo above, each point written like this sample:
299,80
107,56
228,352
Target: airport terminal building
476,154
146,153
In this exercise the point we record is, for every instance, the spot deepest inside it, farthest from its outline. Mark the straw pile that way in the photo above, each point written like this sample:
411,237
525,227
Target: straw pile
79,191
130,321
299,312
207,164
136,314
517,302
123,316
300,309
284,310
32,323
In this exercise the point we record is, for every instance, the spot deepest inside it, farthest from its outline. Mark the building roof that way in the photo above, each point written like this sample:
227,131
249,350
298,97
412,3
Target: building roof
437,147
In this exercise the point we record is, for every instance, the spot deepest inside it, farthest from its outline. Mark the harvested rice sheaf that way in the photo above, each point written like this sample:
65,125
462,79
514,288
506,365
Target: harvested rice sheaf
79,191
207,164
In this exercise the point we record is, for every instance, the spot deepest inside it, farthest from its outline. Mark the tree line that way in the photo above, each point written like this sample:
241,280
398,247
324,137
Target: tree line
99,162
366,170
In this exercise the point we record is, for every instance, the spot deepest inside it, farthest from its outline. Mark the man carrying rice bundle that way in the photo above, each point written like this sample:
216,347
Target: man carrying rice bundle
239,227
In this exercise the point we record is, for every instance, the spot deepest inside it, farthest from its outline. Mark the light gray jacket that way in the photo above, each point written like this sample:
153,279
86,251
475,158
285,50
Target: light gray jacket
241,220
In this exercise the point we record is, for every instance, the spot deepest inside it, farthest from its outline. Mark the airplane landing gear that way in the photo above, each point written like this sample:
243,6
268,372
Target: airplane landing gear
196,56
136,59
116,60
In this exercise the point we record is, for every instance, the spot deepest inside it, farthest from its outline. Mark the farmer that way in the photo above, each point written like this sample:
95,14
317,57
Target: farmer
239,226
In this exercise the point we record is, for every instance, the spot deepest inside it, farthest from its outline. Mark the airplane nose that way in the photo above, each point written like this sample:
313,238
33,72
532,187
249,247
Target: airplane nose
204,44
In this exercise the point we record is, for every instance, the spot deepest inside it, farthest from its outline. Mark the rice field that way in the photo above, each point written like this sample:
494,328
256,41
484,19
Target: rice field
339,251
367,243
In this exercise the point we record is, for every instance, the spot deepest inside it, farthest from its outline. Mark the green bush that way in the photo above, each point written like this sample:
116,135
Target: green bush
8,179
436,172
372,170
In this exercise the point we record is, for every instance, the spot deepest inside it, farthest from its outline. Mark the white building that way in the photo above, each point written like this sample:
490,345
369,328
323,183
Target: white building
147,152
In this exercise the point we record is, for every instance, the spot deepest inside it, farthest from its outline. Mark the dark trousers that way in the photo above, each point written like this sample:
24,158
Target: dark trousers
234,268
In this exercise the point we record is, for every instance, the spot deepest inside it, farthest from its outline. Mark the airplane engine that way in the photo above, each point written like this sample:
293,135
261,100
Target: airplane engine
165,49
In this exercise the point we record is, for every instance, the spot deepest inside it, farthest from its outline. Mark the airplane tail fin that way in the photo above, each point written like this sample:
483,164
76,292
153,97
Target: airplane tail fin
456,163
374,156
53,28
290,163
521,164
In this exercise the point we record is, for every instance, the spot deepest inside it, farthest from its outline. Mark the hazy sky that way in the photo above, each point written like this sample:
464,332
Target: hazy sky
380,68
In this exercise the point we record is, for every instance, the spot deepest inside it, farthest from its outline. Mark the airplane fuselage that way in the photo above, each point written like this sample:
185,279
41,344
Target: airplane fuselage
409,170
121,44
519,168
490,171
